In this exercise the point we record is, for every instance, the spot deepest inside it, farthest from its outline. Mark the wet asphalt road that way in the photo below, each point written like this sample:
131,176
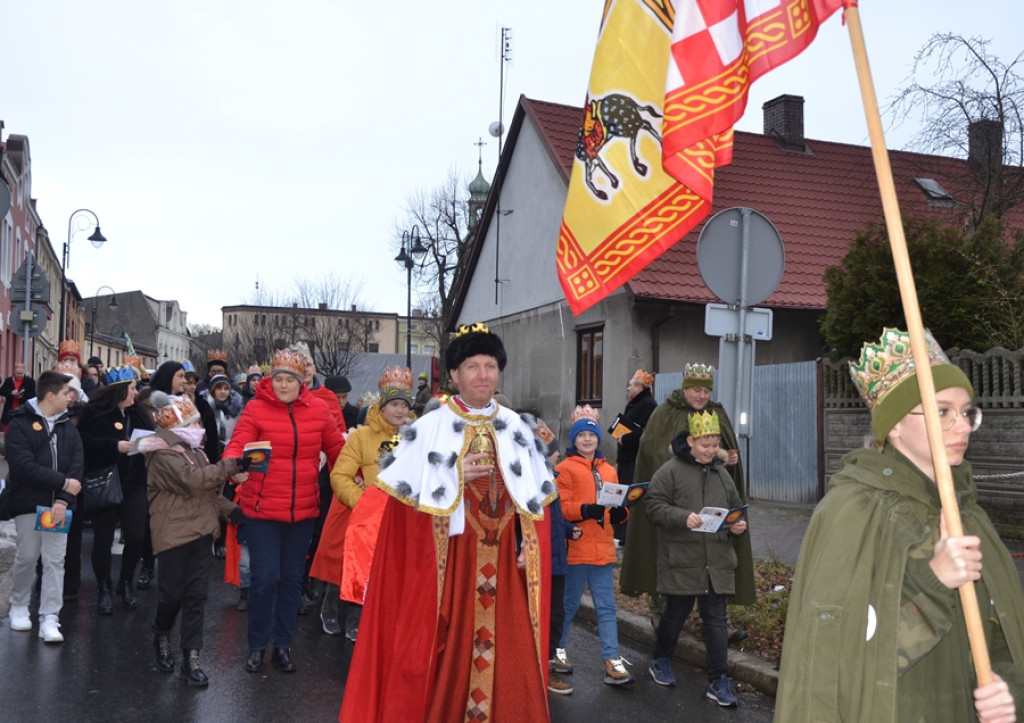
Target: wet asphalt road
104,672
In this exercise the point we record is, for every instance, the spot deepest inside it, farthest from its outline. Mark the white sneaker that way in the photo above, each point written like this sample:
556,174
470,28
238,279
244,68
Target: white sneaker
20,619
49,630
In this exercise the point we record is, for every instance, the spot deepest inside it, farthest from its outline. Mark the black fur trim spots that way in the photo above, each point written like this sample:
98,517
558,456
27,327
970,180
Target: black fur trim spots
517,468
435,458
409,433
500,425
386,458
458,425
541,447
520,438
531,421
534,506
452,459
547,487
439,493
403,489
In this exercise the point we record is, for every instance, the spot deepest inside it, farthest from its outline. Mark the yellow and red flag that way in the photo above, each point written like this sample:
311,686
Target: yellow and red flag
669,80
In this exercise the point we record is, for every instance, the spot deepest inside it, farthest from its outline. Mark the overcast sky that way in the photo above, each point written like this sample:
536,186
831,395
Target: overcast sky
223,142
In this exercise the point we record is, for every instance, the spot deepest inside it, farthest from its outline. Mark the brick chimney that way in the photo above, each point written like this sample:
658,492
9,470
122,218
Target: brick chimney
784,121
984,146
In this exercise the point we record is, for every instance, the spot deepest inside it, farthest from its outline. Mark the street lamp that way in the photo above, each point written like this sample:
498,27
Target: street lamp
97,238
411,247
113,305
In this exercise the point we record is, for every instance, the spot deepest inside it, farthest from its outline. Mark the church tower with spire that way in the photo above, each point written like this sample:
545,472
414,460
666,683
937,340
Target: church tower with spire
478,190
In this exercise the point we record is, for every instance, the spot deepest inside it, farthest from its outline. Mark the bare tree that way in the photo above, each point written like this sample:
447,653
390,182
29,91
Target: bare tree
324,313
443,219
969,104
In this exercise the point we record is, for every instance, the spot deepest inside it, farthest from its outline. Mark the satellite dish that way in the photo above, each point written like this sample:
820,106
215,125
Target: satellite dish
496,129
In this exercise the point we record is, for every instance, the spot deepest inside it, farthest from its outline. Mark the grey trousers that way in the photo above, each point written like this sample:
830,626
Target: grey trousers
31,543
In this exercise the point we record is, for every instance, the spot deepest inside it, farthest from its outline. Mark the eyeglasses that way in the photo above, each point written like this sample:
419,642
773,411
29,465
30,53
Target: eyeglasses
948,417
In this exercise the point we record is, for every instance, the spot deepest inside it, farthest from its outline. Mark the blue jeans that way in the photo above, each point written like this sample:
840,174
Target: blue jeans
712,615
602,589
277,557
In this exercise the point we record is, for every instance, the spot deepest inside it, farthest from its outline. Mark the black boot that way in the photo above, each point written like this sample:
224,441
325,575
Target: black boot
254,663
145,577
192,669
164,656
243,600
126,591
282,659
105,598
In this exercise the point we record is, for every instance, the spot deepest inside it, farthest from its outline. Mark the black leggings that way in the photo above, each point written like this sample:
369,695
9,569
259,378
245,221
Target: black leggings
133,514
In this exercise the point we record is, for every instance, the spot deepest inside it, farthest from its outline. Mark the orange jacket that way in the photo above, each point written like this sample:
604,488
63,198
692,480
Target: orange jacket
577,487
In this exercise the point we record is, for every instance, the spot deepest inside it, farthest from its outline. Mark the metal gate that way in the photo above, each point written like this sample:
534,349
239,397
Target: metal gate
783,458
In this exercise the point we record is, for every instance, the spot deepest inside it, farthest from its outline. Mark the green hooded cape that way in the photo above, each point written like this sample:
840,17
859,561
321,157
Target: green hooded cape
871,634
639,570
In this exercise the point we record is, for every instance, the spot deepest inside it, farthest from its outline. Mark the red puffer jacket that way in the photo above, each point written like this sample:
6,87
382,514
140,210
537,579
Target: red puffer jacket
288,491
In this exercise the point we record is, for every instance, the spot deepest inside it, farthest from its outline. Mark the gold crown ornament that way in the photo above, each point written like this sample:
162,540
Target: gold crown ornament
132,361
69,348
395,383
642,377
703,424
178,412
216,355
472,328
289,361
698,375
584,412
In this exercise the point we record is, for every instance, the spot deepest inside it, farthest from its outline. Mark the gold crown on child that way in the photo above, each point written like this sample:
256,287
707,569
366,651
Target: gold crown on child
584,412
704,423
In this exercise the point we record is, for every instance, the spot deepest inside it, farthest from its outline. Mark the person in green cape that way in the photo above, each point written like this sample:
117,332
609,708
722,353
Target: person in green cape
639,573
875,629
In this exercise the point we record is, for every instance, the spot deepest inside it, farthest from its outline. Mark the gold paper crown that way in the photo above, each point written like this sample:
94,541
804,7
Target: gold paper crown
132,361
584,412
178,413
395,377
884,365
704,423
216,355
643,377
699,373
69,347
544,433
472,328
289,361
395,383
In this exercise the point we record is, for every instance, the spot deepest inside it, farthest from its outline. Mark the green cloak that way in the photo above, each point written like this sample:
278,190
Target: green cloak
639,570
871,634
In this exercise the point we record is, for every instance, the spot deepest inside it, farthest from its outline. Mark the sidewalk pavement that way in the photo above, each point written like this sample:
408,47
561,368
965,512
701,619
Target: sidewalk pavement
777,530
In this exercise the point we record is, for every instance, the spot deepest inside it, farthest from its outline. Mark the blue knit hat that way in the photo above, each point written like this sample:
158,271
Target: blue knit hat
584,425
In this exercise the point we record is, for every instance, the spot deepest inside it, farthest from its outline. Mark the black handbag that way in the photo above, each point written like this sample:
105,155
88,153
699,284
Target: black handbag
102,490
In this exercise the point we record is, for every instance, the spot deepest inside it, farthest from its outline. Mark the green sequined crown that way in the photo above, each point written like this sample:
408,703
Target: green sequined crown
884,365
699,372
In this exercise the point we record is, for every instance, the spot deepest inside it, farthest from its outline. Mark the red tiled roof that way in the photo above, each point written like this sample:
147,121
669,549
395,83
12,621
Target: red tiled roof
818,201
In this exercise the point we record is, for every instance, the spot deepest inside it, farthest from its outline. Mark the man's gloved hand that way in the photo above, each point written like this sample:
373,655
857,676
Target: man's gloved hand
243,463
236,517
618,515
592,512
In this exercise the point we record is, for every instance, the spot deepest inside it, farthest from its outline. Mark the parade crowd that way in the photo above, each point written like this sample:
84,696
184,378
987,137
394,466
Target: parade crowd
450,537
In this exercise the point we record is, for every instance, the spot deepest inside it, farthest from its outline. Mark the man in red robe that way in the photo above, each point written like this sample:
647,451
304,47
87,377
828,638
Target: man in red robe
457,605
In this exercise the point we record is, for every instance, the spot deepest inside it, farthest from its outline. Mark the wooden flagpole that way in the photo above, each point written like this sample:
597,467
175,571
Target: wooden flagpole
915,327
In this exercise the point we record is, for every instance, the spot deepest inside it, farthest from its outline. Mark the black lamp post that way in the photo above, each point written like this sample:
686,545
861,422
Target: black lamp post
113,305
97,239
412,247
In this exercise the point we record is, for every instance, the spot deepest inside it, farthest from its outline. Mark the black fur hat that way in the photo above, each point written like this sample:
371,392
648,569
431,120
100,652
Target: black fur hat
471,341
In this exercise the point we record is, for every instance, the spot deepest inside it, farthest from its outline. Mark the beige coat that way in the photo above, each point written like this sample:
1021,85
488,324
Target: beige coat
184,490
